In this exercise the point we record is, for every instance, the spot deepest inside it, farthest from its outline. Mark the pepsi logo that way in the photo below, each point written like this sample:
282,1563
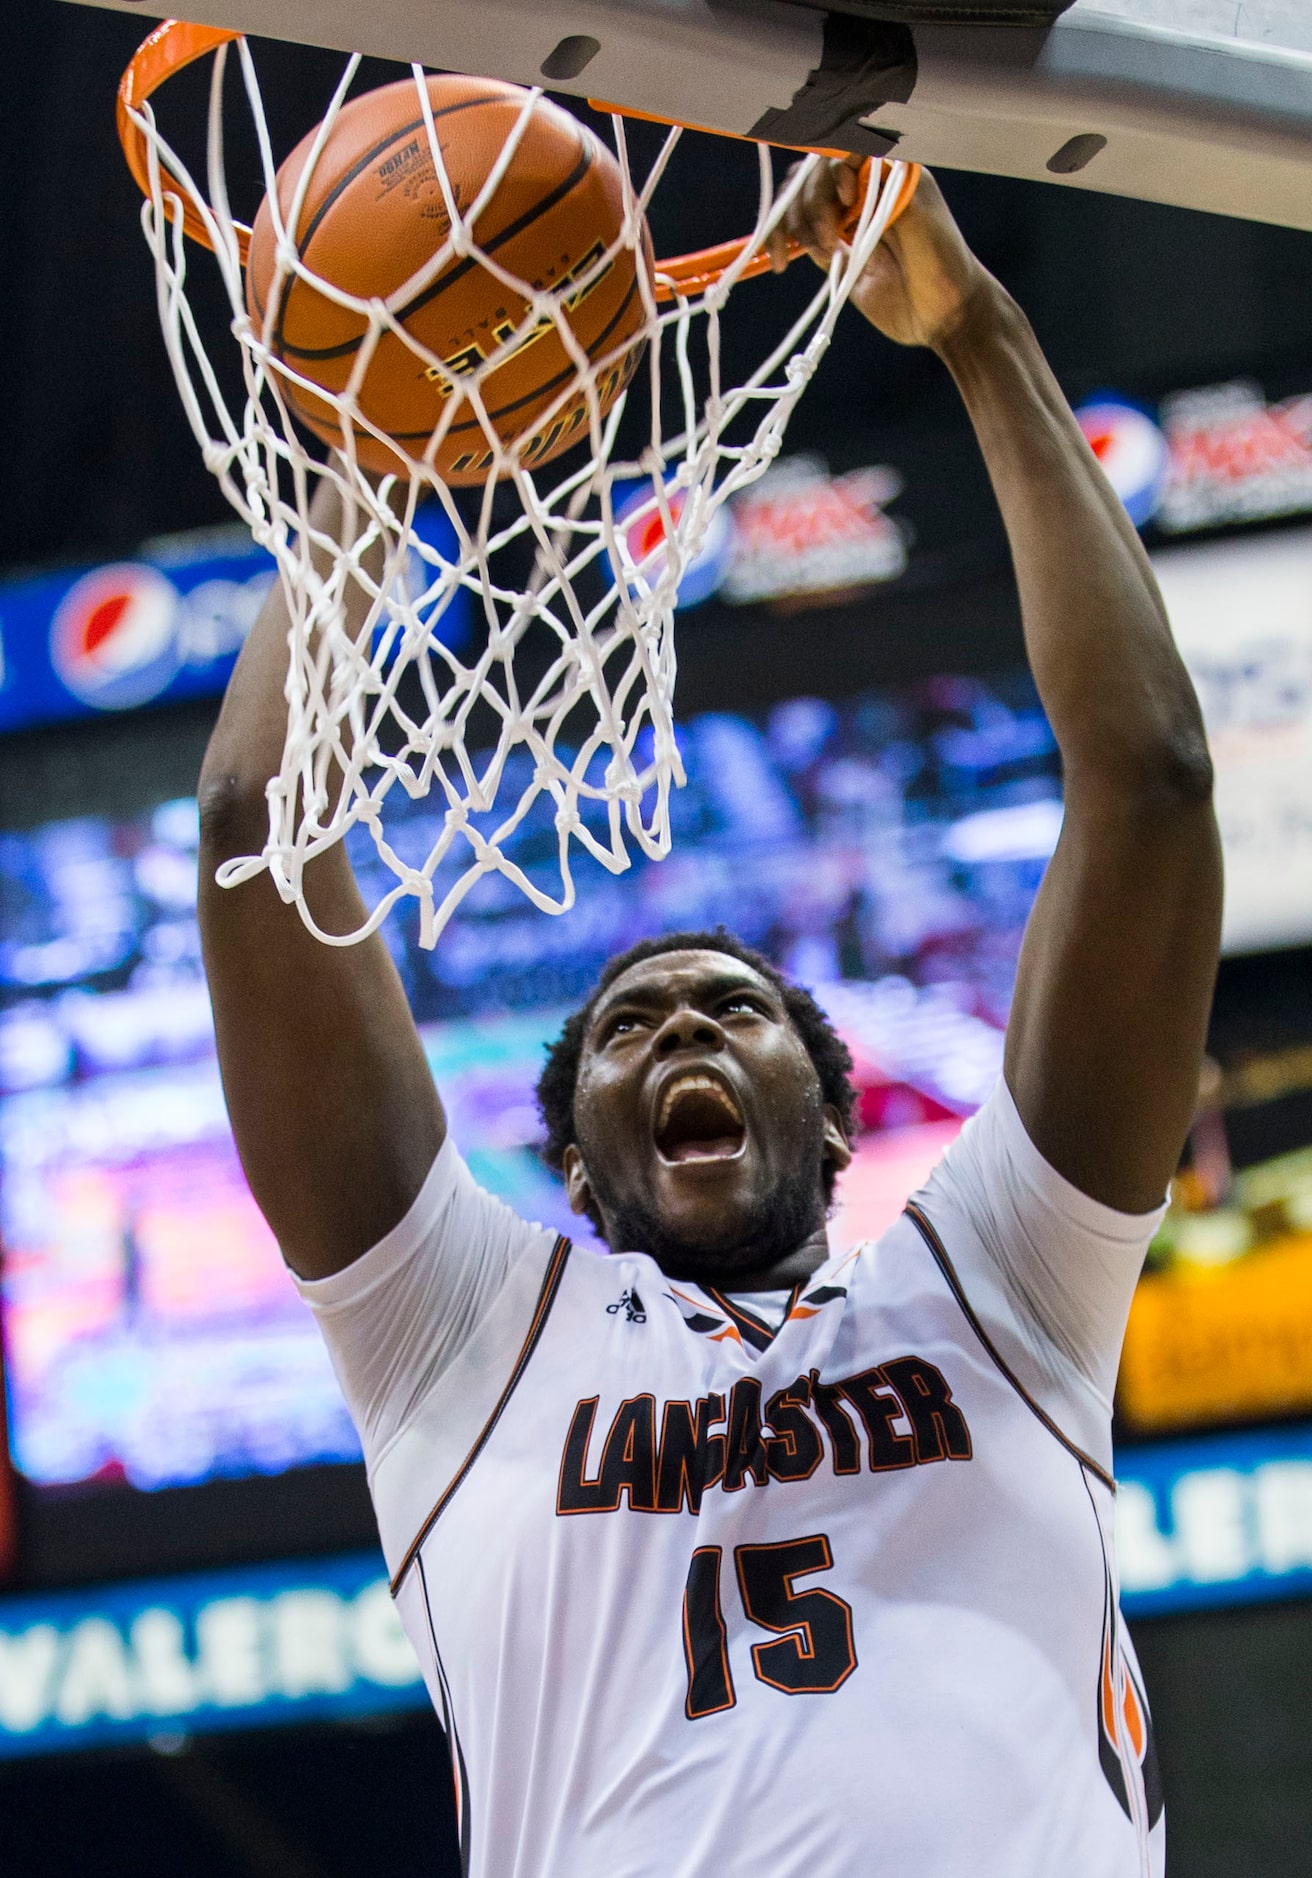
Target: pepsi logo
641,526
113,638
1132,451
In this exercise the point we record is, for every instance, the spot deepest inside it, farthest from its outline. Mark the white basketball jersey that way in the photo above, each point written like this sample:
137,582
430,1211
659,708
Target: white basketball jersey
700,1600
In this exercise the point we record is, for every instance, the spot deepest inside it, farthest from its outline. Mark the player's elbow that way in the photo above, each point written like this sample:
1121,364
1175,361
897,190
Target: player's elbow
1161,781
1177,773
233,814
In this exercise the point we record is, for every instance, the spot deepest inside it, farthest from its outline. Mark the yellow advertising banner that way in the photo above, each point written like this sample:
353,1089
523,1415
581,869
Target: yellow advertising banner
1215,1344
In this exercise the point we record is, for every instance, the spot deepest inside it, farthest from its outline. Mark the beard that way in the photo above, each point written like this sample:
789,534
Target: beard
772,1227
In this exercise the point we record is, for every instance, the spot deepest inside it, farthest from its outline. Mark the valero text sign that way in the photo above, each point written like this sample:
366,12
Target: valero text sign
1220,1519
235,1649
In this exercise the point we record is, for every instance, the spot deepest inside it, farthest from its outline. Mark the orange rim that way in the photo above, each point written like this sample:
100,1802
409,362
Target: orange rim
175,44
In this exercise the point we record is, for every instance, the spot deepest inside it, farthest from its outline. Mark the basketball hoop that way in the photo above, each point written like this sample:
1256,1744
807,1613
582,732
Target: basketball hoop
562,708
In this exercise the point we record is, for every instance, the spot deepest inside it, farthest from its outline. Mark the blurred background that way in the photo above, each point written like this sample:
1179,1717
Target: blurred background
200,1671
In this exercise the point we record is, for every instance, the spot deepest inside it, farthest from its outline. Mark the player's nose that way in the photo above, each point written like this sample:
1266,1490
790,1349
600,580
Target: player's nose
686,1029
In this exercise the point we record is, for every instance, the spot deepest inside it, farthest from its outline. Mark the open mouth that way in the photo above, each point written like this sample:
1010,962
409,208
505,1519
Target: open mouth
699,1120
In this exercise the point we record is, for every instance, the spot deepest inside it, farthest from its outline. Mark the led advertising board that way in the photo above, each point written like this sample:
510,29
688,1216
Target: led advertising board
1221,1519
312,1641
1221,1324
163,626
158,628
1213,457
1241,612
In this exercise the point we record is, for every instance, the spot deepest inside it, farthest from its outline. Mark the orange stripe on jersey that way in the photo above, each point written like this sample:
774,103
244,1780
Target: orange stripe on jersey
1134,1721
1108,1693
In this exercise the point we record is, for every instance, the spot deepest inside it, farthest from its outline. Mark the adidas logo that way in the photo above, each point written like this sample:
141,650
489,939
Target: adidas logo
632,1306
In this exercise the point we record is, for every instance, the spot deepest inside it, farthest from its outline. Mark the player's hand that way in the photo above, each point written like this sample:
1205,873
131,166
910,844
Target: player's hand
921,280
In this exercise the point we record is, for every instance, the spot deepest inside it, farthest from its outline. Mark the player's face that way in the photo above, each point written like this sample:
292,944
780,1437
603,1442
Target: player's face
702,1133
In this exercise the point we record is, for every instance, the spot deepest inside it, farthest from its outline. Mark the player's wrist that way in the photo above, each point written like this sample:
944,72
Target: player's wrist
988,318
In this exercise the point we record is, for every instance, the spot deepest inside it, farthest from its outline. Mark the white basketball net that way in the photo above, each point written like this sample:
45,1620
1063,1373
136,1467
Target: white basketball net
378,705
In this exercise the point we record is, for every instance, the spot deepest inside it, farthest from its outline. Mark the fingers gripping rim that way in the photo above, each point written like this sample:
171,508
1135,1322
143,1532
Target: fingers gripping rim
175,44
697,272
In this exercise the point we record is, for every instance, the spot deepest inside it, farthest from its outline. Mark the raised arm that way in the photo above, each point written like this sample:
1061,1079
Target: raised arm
1119,959
335,1114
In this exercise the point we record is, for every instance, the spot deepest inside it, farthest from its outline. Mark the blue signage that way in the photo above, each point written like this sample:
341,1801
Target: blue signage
1223,1519
169,623
234,1649
161,627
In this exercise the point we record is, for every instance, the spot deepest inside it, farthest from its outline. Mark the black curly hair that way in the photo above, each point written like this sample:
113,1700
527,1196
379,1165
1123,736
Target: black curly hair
824,1046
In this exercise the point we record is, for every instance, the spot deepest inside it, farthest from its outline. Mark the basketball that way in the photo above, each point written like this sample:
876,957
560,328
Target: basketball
373,215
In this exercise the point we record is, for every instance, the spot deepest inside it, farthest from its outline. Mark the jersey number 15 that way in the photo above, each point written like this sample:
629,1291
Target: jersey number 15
812,1652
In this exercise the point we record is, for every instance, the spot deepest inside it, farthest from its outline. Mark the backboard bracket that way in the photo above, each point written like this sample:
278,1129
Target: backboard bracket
1198,103
864,65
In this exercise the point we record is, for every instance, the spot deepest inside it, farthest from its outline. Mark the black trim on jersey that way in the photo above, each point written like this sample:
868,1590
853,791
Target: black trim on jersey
751,1328
701,1323
944,1263
546,1298
1149,1768
459,1772
825,1295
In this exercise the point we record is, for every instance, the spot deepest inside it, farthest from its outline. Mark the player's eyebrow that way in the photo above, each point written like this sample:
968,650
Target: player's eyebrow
725,982
651,996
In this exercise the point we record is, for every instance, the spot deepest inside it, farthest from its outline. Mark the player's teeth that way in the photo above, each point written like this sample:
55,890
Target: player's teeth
688,1083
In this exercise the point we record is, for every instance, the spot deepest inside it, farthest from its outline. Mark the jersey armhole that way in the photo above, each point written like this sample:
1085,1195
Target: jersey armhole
939,1253
542,1310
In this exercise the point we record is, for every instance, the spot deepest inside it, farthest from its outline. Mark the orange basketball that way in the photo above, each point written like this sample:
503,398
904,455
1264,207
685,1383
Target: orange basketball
374,214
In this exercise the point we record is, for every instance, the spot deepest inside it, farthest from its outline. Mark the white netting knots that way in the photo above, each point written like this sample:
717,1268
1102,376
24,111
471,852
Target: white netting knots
507,650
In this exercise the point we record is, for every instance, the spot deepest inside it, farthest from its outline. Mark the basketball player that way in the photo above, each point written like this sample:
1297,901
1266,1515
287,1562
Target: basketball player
731,1554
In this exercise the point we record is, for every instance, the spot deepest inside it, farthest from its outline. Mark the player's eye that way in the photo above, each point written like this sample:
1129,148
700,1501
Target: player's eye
621,1025
743,1001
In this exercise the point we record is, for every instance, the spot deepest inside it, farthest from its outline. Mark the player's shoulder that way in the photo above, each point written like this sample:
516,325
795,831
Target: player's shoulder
992,1154
994,1175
